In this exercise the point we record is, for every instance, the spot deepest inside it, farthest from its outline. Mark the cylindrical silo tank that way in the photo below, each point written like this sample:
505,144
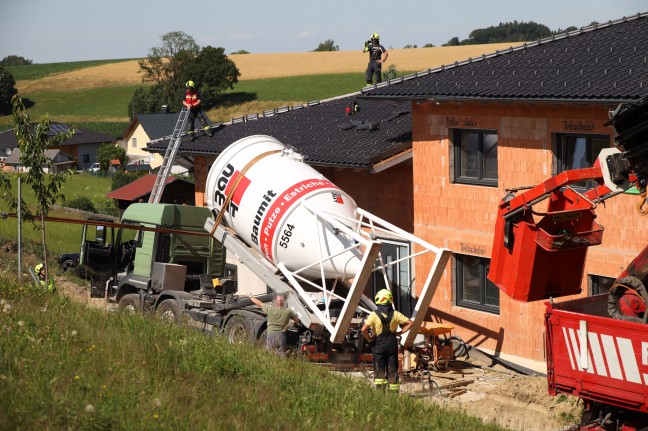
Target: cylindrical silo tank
266,210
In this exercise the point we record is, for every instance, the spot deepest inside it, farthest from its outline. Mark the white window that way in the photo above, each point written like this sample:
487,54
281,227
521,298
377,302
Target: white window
133,142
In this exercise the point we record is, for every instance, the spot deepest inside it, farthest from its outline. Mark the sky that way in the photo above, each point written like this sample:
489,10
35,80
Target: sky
50,31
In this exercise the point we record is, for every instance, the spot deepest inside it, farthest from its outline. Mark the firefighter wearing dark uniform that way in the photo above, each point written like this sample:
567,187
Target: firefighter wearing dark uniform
192,103
384,322
376,60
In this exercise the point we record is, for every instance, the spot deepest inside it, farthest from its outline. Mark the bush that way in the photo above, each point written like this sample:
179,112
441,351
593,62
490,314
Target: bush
108,207
82,203
391,73
120,179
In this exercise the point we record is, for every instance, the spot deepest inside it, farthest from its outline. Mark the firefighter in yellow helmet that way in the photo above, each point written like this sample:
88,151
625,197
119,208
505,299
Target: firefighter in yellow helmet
377,57
41,274
192,103
384,322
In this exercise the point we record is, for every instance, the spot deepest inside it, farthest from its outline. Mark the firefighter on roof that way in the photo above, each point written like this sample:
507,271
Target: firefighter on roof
192,103
384,322
376,60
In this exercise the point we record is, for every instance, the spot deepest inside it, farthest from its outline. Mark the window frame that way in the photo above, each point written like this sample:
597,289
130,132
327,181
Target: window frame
594,283
484,266
558,147
480,180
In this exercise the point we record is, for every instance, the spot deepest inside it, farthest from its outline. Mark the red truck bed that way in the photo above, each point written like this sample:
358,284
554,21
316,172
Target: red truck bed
595,357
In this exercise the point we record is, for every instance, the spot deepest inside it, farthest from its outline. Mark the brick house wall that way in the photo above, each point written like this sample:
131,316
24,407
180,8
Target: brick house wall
462,217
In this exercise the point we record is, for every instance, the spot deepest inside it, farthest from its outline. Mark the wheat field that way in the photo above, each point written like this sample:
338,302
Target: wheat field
258,66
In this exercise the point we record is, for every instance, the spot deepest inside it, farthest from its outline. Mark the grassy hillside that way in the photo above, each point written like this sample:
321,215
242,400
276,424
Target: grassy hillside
66,366
38,71
61,237
100,91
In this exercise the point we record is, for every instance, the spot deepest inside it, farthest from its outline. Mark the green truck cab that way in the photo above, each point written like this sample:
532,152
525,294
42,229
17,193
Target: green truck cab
151,261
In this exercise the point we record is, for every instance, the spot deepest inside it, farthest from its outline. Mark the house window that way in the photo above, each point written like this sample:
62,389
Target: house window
86,158
578,152
133,142
599,284
398,276
473,289
475,157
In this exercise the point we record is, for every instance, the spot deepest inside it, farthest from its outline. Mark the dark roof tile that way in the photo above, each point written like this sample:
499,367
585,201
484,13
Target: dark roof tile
314,129
604,62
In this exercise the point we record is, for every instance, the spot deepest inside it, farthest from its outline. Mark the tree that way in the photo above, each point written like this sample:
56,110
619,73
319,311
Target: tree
452,42
177,61
149,99
14,60
390,73
164,65
428,45
213,72
108,152
33,141
7,91
327,45
240,51
410,46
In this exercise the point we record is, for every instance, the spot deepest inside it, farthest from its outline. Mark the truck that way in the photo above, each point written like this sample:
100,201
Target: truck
596,347
271,215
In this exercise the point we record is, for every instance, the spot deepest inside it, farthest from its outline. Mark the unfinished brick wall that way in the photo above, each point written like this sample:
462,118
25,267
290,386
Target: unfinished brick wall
462,217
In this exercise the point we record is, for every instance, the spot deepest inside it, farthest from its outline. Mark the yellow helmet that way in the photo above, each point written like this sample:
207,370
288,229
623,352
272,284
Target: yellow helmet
383,296
190,84
375,36
38,267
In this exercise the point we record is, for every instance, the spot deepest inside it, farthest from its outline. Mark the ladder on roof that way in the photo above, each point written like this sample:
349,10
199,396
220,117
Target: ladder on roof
169,157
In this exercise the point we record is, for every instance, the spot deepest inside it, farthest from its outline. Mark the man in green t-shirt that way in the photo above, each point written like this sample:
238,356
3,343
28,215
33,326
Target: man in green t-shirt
279,317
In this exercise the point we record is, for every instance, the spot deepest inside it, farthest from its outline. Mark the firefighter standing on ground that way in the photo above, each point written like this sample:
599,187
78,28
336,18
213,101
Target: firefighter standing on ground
192,103
40,273
384,322
376,60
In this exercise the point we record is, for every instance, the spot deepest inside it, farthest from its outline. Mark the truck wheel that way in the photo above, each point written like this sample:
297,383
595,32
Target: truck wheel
67,264
169,311
130,303
238,330
263,337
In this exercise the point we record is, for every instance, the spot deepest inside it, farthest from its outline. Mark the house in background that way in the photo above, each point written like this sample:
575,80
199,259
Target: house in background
145,128
81,147
367,154
60,162
176,191
512,119
434,152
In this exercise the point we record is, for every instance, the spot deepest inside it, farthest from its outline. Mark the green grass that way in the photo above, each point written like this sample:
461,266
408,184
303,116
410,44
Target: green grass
61,237
92,104
304,88
115,129
66,366
37,71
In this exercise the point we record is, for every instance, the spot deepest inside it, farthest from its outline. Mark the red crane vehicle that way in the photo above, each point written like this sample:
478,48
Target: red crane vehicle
596,347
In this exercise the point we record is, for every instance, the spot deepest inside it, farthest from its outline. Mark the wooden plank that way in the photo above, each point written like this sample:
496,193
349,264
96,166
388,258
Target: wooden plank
456,384
457,393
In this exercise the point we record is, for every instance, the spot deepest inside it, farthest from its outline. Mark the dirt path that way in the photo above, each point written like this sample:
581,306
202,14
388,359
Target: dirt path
509,399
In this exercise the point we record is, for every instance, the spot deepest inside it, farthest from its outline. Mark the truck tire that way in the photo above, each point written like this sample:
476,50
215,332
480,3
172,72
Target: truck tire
263,337
169,311
238,330
130,303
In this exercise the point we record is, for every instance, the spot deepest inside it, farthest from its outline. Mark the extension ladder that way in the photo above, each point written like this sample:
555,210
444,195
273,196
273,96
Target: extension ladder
169,157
